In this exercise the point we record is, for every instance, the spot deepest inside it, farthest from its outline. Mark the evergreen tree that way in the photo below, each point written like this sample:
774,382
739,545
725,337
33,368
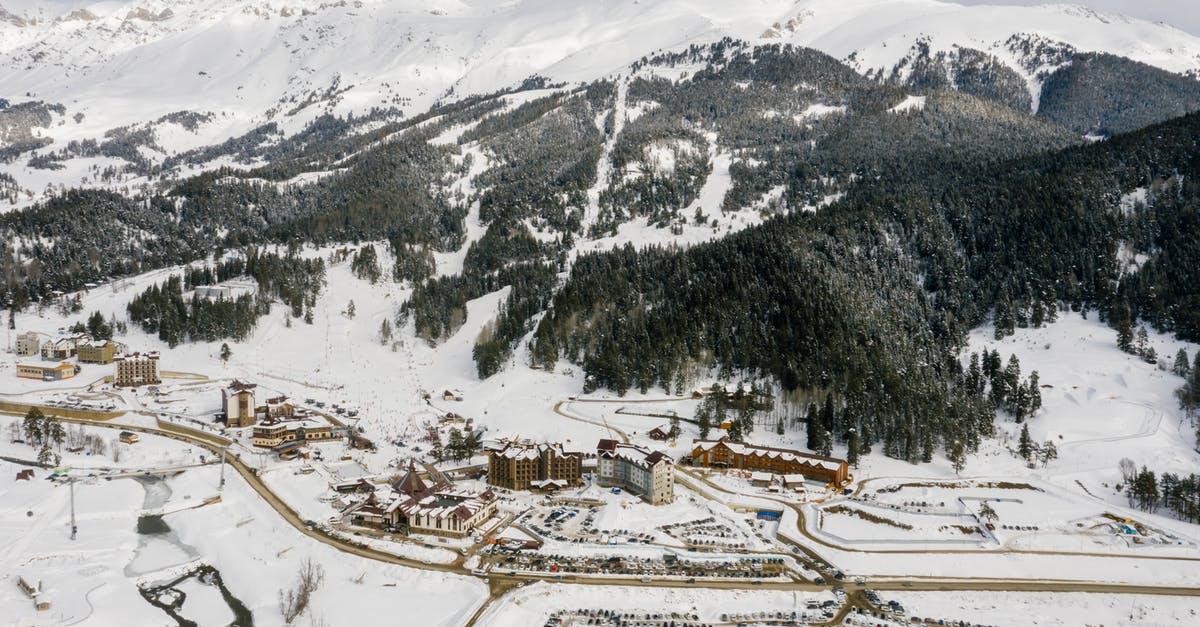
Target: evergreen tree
34,426
45,456
813,428
226,352
718,399
827,414
746,417
55,432
1035,393
1125,335
957,453
385,331
852,447
350,310
704,419
1012,376
1142,343
779,426
1048,452
735,431
1181,367
456,444
365,264
675,430
1144,490
865,440
826,447
1025,444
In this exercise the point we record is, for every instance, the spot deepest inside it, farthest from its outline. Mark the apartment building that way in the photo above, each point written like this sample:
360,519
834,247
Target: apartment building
524,465
137,369
646,473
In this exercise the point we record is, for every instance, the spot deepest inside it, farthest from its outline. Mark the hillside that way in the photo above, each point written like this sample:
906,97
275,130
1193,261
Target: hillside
115,92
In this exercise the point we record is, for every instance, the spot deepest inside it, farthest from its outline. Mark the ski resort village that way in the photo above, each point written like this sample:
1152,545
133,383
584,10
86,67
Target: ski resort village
212,482
616,313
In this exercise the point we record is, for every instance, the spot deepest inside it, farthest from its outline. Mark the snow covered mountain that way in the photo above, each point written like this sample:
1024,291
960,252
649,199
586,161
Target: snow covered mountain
192,73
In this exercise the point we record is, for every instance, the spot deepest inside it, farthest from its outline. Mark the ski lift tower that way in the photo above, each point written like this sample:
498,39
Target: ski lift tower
71,482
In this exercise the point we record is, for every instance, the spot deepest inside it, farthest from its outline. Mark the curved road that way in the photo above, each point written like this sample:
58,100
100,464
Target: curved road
500,584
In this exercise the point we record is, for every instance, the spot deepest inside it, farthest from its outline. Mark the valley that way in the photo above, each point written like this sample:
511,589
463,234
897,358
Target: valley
481,312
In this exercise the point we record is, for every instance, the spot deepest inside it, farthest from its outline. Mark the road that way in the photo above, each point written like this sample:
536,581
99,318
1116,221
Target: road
801,528
500,584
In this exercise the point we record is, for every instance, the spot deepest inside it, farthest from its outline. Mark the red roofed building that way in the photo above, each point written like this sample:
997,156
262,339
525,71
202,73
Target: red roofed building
414,506
781,461
639,470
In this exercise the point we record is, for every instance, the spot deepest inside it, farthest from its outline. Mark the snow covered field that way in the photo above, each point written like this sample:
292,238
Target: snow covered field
534,604
1007,608
1099,405
93,580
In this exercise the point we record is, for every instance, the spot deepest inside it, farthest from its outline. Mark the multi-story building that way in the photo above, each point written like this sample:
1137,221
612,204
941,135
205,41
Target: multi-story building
137,369
56,372
28,344
523,465
781,461
636,469
63,347
96,351
271,433
238,399
412,506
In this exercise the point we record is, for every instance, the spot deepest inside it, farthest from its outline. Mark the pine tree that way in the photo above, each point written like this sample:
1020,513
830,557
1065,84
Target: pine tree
1144,490
1048,452
456,444
865,440
350,310
34,426
718,406
826,443
675,428
957,453
813,428
46,456
779,426
827,413
1181,367
1018,403
1012,376
55,432
385,331
704,419
735,431
226,353
1035,393
746,417
1142,342
852,447
1025,444
1125,335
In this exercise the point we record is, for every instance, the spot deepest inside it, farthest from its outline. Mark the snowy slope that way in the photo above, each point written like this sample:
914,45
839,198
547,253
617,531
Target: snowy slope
248,62
880,32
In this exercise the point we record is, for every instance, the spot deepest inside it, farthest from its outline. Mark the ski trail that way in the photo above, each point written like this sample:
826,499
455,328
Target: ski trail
604,168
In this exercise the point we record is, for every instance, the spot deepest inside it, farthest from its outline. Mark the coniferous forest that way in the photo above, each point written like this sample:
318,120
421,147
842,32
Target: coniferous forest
888,230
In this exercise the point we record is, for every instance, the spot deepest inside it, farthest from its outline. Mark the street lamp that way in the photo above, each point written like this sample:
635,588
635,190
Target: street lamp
221,486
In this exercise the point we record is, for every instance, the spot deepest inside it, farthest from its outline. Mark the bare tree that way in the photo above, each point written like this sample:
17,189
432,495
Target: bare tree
294,601
1128,470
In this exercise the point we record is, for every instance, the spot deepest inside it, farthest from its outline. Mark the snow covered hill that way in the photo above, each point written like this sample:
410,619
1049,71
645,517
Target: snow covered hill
192,73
